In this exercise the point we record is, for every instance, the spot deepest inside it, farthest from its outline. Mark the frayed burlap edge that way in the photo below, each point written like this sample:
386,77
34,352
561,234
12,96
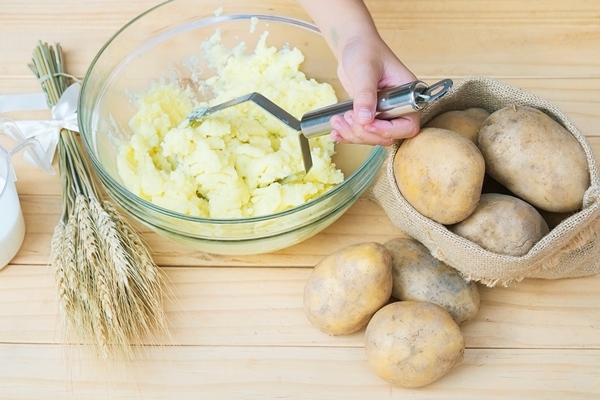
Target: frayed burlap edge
571,249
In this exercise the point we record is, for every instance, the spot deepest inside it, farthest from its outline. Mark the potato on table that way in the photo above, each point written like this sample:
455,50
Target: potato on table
418,276
535,157
440,173
503,224
413,343
347,287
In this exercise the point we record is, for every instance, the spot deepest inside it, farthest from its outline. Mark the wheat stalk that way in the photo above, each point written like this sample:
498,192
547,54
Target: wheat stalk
109,290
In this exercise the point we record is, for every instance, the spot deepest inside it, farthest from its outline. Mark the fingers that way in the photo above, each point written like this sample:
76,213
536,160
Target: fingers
364,105
403,127
365,82
366,66
378,132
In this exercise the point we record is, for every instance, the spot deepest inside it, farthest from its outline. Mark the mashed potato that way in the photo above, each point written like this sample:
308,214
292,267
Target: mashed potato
229,165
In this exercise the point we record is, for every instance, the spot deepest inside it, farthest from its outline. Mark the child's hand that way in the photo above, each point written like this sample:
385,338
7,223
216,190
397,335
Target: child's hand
366,66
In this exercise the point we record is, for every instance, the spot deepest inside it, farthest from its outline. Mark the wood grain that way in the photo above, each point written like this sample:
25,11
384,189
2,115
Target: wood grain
236,372
434,38
263,307
238,327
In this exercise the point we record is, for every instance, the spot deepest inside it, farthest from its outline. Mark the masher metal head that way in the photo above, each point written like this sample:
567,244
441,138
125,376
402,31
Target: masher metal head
391,103
288,119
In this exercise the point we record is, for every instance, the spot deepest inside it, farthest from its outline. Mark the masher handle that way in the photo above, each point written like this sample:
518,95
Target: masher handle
391,103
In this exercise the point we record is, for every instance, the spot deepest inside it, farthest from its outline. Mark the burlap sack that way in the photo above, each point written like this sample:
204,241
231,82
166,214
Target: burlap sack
571,249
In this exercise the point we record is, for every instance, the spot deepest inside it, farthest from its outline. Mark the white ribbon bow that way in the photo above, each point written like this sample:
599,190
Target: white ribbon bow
64,116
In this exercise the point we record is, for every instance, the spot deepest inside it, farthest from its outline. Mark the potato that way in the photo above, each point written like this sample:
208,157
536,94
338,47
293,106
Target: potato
477,113
503,224
411,344
418,276
535,157
347,287
466,122
440,173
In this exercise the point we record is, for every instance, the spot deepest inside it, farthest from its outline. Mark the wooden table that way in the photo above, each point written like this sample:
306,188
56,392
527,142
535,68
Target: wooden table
238,327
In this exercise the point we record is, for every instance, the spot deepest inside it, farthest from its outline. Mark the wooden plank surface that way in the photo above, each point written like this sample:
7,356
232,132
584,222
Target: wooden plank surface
263,307
435,38
240,372
239,331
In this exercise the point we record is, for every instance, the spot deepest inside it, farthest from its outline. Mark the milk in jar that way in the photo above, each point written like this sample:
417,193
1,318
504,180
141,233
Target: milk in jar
12,225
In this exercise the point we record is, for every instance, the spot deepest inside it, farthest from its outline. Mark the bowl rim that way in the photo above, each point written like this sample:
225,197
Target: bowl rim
115,185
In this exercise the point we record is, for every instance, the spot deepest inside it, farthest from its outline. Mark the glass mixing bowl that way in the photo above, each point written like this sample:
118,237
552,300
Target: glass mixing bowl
158,44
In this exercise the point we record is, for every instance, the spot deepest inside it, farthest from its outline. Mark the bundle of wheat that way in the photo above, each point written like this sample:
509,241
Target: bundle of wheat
110,292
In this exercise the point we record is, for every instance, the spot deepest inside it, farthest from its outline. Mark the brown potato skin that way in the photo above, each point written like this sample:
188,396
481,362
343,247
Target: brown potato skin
535,158
503,224
418,276
347,287
411,343
440,173
466,122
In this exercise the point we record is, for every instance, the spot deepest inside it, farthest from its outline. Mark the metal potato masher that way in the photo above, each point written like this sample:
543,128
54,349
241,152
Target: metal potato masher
391,103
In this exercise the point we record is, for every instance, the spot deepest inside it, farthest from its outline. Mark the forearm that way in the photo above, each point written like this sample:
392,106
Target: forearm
365,65
340,21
